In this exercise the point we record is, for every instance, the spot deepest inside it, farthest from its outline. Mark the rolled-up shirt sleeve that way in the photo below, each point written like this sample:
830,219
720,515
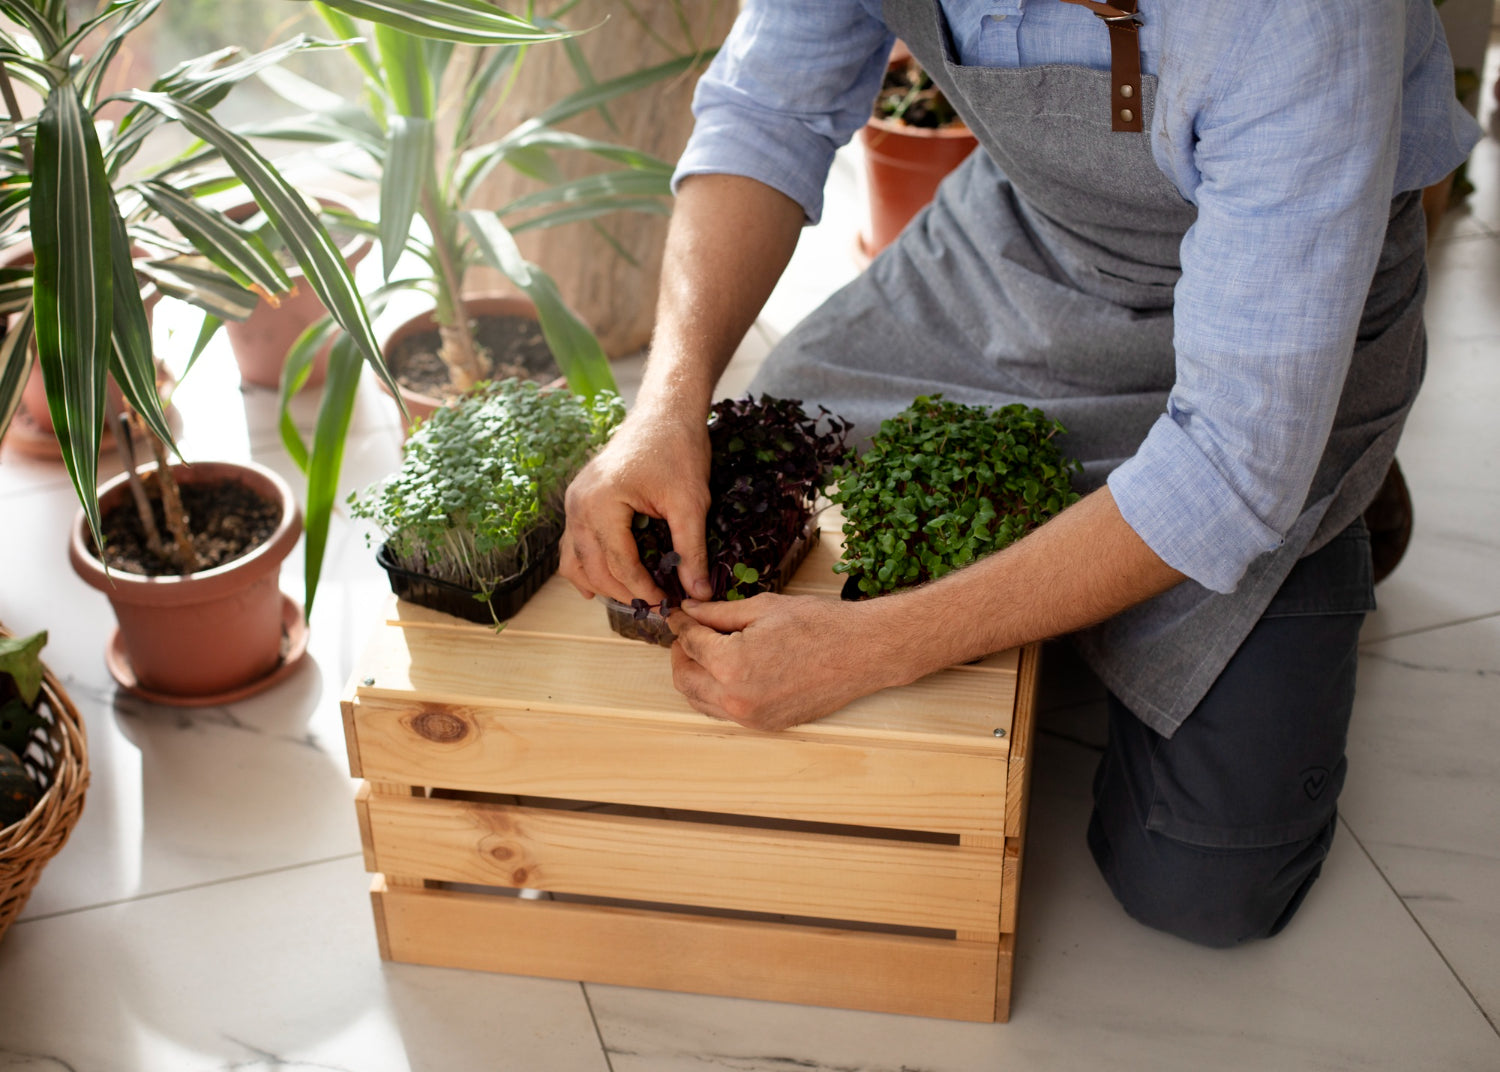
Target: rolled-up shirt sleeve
792,83
1296,152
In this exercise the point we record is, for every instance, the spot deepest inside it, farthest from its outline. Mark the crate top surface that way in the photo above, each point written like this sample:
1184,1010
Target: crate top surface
559,654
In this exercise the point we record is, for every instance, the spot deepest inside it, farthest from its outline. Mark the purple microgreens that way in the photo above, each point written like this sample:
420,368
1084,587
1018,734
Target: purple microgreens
769,461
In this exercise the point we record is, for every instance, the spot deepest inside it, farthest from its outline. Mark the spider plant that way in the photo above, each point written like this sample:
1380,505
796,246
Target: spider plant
67,182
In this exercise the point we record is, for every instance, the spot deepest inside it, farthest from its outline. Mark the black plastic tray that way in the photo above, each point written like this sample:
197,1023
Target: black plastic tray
506,600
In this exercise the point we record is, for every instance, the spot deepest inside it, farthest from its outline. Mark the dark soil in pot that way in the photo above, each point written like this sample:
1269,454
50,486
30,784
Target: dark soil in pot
515,346
226,522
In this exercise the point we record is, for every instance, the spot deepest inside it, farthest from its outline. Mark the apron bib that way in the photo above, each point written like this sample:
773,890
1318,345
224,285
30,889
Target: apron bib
1043,273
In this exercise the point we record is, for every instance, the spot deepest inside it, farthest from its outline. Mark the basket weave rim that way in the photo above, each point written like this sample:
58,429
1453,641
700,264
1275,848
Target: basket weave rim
27,845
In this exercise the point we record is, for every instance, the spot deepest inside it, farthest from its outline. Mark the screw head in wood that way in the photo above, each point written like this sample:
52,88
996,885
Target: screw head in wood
999,733
368,681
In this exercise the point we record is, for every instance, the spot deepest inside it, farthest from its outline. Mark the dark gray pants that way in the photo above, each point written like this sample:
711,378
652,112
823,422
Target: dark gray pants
1217,833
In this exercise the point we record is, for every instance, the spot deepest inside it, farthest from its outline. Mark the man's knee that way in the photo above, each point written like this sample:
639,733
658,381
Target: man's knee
1210,896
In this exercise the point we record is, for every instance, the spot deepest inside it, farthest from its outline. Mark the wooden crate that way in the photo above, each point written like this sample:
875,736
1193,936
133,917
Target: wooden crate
870,860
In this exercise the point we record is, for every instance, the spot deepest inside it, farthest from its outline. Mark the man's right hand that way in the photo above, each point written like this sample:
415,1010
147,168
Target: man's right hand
657,465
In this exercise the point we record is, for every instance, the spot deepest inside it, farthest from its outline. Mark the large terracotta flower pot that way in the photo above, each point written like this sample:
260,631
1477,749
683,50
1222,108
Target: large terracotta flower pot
903,166
479,307
260,342
206,636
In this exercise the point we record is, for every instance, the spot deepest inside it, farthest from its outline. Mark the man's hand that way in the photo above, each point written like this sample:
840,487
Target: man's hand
773,661
652,465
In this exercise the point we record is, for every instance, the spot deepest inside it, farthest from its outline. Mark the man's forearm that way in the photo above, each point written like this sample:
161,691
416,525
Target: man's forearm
1082,567
730,239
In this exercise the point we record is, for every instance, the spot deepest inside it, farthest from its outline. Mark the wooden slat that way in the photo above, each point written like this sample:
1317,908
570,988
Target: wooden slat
865,879
1005,961
714,767
956,708
1022,730
632,947
1010,885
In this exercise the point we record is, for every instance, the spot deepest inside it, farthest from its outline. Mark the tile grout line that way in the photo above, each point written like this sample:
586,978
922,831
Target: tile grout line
598,1031
187,889
1430,628
1495,1027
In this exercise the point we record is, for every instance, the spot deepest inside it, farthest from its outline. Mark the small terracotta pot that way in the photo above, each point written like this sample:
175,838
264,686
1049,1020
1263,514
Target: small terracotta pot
903,166
260,342
205,633
420,406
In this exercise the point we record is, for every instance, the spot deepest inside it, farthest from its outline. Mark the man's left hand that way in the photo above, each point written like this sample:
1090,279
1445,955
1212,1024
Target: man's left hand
773,661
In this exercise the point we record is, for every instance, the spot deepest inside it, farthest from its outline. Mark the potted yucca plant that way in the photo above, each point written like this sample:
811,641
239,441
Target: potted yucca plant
76,188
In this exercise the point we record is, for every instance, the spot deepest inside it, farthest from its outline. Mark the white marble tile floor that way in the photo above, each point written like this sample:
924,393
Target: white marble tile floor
211,909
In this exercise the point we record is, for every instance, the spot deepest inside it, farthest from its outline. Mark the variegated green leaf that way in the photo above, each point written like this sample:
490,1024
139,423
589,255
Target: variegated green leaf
239,251
15,289
15,365
406,78
590,97
409,163
344,27
25,14
520,153
578,352
136,12
133,362
591,210
74,303
327,457
320,260
197,281
472,22
206,332
592,188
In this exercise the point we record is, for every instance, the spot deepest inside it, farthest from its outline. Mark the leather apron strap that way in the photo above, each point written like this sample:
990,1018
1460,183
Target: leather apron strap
1124,60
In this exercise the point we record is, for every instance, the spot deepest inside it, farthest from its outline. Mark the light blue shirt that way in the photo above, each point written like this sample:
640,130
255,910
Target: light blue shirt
1290,125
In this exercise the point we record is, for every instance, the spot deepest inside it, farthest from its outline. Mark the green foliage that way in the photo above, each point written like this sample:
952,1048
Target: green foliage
104,218
479,475
944,484
21,660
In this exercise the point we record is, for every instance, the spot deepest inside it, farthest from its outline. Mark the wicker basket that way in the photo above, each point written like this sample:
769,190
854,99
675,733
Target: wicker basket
58,759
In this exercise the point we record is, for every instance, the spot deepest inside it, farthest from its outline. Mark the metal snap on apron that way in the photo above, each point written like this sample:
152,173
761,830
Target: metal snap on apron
1043,273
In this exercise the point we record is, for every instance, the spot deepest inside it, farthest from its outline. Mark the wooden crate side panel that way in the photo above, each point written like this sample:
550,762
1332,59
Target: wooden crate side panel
668,951
959,708
1005,964
712,865
1023,730
714,770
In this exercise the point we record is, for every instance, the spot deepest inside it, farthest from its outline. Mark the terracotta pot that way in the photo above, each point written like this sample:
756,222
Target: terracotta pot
260,342
208,633
477,307
903,166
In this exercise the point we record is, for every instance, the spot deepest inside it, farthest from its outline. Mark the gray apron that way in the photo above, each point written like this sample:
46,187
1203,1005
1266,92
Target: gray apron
1043,273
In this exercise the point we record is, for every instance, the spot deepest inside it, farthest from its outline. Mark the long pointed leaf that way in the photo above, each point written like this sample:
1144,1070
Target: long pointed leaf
405,67
70,236
133,363
590,211
206,332
97,65
344,27
327,458
239,251
15,366
15,289
316,254
609,184
576,348
591,97
471,22
196,281
26,14
409,163
478,162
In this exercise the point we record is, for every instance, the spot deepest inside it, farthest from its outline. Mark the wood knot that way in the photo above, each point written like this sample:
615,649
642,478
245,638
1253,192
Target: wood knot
440,726
502,852
519,876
